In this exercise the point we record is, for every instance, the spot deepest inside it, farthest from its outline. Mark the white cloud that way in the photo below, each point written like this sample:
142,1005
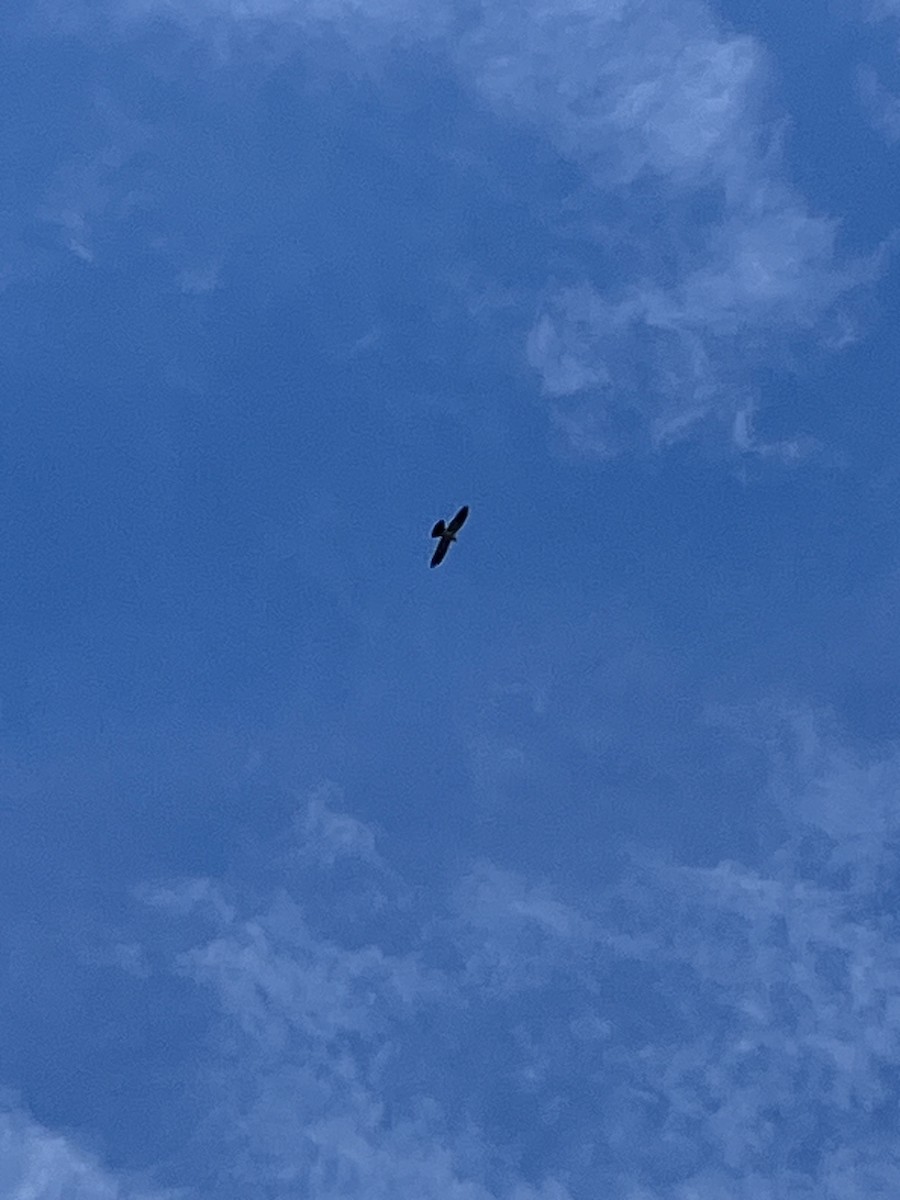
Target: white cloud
787,1079
231,27
722,262
327,833
38,1164
881,105
709,260
200,280
684,1033
514,931
92,189
875,10
787,450
311,1033
820,785
619,87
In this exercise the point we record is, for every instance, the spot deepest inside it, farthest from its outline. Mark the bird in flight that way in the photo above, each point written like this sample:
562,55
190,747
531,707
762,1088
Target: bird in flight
447,534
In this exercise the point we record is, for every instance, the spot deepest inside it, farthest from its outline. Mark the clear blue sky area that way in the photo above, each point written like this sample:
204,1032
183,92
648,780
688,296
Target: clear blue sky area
568,870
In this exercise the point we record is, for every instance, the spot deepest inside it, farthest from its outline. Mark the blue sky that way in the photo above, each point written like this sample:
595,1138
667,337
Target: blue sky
567,870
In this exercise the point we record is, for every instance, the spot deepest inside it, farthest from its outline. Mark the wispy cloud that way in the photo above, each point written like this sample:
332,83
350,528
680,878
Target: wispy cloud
39,1164
685,1032
318,1044
712,260
326,833
197,281
881,105
784,985
877,10
97,189
686,257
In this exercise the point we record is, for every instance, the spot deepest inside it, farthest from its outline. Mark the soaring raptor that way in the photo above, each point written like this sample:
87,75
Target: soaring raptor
447,534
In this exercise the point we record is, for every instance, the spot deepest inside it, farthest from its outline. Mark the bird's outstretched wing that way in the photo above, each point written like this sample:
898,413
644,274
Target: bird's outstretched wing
459,520
439,529
440,550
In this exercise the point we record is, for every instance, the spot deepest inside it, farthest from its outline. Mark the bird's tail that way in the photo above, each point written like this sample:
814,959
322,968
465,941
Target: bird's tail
439,529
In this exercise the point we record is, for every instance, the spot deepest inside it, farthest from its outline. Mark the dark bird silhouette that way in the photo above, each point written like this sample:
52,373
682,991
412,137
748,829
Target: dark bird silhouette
447,534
